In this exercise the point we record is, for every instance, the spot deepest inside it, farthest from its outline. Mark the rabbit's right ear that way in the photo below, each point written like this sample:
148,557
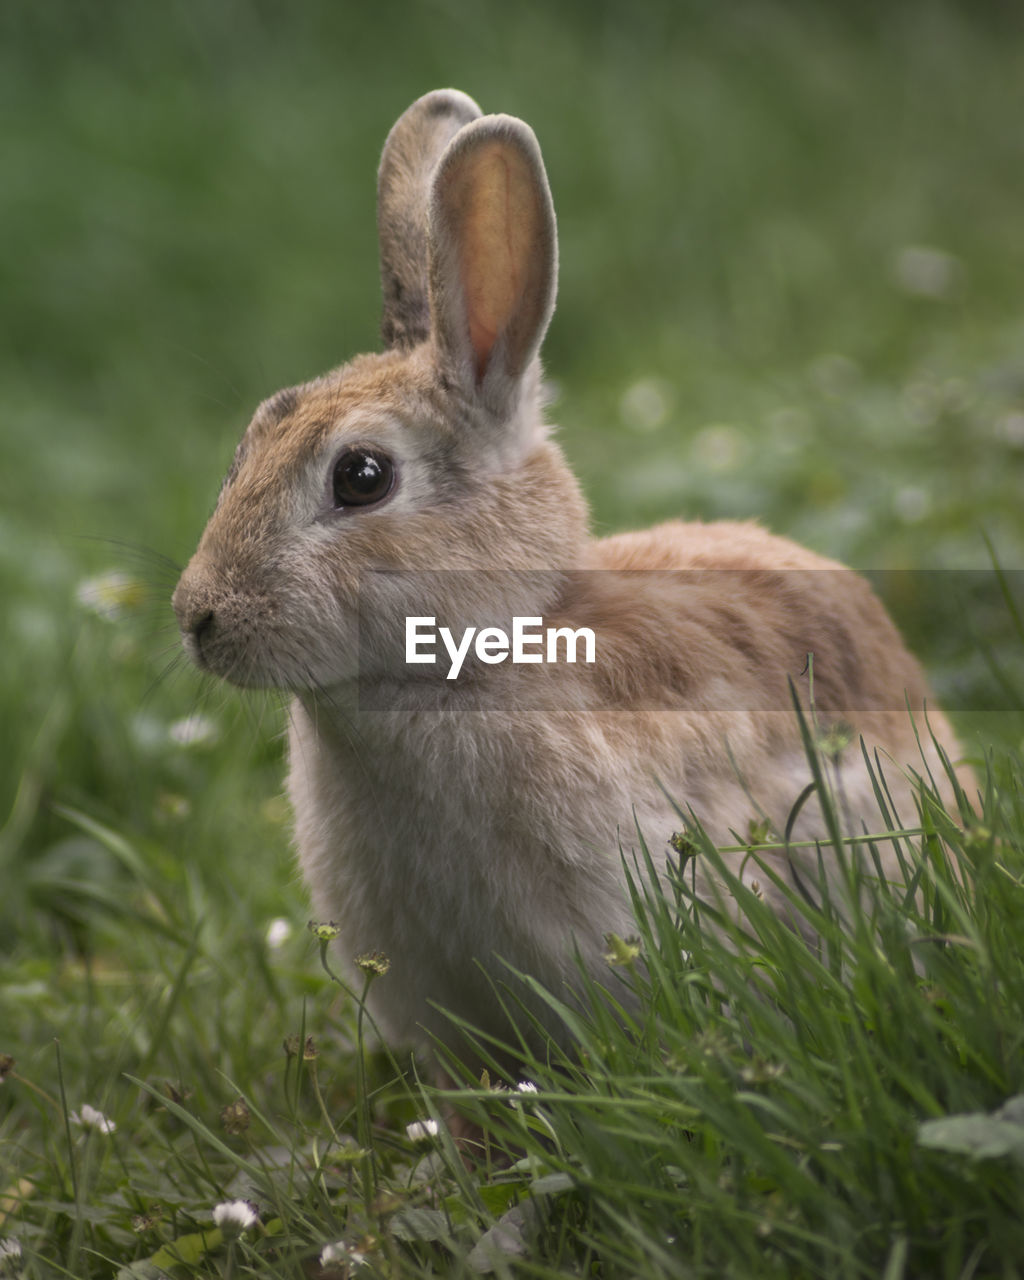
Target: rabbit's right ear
493,261
411,152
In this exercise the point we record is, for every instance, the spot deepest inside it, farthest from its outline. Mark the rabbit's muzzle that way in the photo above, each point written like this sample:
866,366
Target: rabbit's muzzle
196,604
221,627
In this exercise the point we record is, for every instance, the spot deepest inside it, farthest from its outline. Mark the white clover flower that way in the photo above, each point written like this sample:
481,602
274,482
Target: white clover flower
1010,428
193,731
339,1252
646,404
235,1216
278,932
912,503
516,1098
10,1255
110,595
923,271
421,1130
90,1118
719,447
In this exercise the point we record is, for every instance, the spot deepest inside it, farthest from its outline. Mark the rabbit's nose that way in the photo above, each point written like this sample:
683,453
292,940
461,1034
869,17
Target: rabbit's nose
197,623
200,625
194,609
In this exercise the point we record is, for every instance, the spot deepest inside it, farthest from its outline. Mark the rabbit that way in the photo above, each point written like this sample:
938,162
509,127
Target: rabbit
473,827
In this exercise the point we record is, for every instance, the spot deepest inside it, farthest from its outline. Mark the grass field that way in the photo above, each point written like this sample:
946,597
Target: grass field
791,281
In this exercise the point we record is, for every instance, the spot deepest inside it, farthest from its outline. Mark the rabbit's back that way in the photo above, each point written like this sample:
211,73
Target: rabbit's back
736,604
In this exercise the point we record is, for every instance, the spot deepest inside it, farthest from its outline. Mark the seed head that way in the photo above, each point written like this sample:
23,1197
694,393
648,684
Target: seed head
236,1117
683,845
324,931
294,1046
374,964
621,951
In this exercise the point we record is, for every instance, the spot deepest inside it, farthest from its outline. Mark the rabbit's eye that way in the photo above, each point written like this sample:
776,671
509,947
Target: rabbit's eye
362,477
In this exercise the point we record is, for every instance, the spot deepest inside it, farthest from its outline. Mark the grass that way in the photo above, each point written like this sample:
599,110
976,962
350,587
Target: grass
789,261
847,1108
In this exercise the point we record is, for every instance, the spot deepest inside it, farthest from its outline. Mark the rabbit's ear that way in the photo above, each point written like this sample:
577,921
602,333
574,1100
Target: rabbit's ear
493,258
411,152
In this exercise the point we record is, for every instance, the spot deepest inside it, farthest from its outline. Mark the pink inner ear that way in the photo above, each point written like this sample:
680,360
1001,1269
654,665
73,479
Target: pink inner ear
499,228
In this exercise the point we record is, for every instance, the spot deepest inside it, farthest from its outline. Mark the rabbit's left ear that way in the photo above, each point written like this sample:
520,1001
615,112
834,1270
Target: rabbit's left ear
493,258
411,152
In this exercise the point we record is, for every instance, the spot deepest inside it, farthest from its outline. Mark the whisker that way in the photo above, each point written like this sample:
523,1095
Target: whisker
199,358
148,556
173,670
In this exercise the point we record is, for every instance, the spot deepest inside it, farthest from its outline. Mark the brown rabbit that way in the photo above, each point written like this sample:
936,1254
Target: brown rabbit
456,823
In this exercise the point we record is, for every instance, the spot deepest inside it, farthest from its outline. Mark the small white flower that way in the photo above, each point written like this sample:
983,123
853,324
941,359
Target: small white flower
10,1255
340,1252
193,731
719,447
1010,428
646,404
278,932
235,1216
421,1130
90,1118
109,595
926,272
516,1098
911,503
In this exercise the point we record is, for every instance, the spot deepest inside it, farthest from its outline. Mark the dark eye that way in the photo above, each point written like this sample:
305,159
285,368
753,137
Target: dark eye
362,477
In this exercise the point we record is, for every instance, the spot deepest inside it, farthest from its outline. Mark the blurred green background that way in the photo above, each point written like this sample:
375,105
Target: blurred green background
791,288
